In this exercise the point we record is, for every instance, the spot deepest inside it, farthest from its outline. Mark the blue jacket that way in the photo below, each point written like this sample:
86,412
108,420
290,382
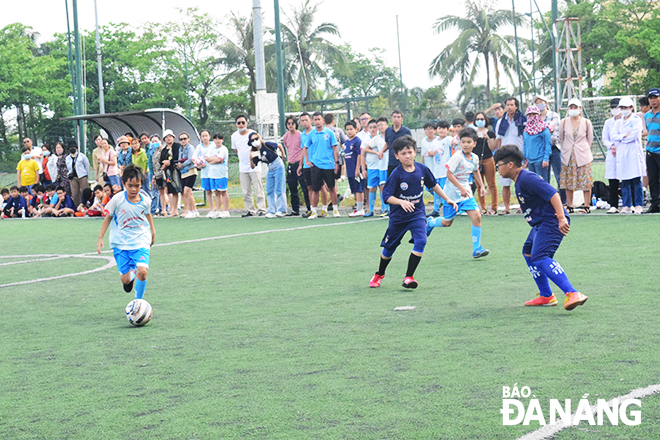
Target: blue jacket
538,147
185,158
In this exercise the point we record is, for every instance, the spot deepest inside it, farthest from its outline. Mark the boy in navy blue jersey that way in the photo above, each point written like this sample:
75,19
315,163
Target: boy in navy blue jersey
543,210
353,156
404,191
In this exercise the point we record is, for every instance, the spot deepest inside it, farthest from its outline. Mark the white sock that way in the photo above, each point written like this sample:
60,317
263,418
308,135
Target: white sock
325,208
314,208
359,206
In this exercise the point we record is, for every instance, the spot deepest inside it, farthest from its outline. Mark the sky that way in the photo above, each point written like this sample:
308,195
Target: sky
363,24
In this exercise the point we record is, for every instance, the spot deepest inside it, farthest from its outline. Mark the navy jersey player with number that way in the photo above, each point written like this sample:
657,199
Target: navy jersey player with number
542,208
404,191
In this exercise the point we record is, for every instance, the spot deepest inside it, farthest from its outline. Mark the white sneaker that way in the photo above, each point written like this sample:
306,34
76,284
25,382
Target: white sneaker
626,210
190,214
211,214
357,213
638,209
270,215
280,214
313,216
613,210
335,213
196,212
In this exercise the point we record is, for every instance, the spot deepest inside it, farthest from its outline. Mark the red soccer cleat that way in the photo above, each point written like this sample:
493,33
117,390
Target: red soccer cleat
409,283
375,281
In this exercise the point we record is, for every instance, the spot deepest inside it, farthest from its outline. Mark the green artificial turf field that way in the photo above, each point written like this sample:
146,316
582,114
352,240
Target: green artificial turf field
276,335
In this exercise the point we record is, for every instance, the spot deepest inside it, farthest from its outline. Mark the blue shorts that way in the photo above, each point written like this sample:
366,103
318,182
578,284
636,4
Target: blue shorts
356,187
209,184
396,231
448,212
543,240
130,259
376,178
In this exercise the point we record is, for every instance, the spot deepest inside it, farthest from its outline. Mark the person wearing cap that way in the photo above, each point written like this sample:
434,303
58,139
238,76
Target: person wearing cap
536,144
652,118
169,157
250,177
124,157
627,147
576,133
78,167
509,131
610,158
551,120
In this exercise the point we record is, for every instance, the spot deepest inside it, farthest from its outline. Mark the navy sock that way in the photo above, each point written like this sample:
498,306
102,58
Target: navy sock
555,272
539,277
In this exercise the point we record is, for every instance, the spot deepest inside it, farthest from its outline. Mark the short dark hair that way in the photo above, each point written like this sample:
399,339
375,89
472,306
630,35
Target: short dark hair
218,136
468,133
397,112
329,118
51,187
515,101
205,130
382,119
239,117
23,189
132,172
98,188
24,149
372,121
509,153
4,191
38,188
71,144
404,142
443,124
429,125
469,116
315,114
365,113
644,100
87,194
109,185
60,188
305,114
351,123
458,121
292,119
144,134
13,188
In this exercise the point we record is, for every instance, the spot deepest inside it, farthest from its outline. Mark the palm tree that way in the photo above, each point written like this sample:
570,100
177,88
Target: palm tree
310,53
478,40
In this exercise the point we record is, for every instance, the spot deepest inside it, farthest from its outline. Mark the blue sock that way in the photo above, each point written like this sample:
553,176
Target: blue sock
435,222
132,274
384,206
555,272
436,202
539,277
372,201
140,286
476,237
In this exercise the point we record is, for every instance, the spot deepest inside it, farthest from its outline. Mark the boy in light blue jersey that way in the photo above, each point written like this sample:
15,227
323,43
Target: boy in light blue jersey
461,166
132,231
377,162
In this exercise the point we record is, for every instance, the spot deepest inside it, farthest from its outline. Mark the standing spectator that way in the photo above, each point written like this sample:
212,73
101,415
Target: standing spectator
652,118
610,158
576,135
304,168
37,154
47,178
169,158
323,156
536,144
484,150
27,170
188,171
139,159
201,152
341,137
551,120
627,147
78,167
291,141
150,146
124,154
108,160
96,155
272,154
158,180
62,170
394,132
497,110
509,131
250,177
217,160
469,120
52,165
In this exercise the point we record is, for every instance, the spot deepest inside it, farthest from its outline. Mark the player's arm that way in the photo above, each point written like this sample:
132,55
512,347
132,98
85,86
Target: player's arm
405,204
555,201
153,230
335,152
104,227
18,178
464,191
480,182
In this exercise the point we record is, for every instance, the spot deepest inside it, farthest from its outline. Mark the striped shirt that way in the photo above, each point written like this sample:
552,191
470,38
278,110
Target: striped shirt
653,126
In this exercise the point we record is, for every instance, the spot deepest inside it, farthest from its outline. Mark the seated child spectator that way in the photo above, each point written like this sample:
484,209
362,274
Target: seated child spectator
64,206
86,202
50,200
5,197
25,193
100,200
38,200
16,206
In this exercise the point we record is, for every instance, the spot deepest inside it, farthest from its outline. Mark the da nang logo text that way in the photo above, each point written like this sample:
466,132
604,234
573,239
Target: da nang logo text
514,411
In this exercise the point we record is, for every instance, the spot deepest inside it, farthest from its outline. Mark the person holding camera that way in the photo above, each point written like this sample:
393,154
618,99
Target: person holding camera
78,169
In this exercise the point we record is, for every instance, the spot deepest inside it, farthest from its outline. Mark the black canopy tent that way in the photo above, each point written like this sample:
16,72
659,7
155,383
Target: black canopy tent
152,121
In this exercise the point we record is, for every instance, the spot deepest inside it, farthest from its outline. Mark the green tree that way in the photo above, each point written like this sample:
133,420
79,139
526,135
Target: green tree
364,75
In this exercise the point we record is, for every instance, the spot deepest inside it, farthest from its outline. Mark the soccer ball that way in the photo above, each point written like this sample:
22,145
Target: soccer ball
138,312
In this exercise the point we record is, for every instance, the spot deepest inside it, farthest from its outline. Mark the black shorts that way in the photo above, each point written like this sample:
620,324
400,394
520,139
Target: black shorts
307,174
160,183
188,182
171,189
319,177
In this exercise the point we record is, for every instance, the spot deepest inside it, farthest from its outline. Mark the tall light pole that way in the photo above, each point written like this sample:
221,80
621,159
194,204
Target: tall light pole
98,59
398,42
515,36
80,135
280,70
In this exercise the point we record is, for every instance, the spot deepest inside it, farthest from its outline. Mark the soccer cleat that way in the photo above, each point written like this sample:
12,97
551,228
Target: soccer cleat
128,288
434,214
385,213
368,214
574,299
313,216
429,228
335,213
409,283
481,252
542,301
323,214
357,213
375,281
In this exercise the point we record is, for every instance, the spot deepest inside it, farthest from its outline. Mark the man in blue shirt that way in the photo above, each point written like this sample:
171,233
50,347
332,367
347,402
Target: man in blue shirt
321,154
652,118
394,132
543,210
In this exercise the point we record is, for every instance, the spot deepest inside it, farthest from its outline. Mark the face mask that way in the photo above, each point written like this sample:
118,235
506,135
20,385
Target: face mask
26,156
574,112
541,106
480,123
72,150
626,113
46,153
256,143
615,111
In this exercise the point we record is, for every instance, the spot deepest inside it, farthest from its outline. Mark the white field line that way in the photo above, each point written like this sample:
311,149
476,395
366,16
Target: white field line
549,431
31,261
110,261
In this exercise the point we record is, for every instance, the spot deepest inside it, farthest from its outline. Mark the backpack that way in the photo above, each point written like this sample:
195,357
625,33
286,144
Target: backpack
601,190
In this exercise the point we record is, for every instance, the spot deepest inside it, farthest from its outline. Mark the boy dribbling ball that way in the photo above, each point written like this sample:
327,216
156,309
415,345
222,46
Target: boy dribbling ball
543,210
404,192
132,231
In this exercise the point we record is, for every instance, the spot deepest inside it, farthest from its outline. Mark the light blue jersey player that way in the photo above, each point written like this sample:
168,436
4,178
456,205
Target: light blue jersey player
132,231
462,165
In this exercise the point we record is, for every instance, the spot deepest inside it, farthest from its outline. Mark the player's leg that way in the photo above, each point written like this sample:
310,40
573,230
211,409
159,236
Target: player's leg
470,206
390,242
126,268
383,178
418,232
545,245
448,214
330,182
506,198
545,297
